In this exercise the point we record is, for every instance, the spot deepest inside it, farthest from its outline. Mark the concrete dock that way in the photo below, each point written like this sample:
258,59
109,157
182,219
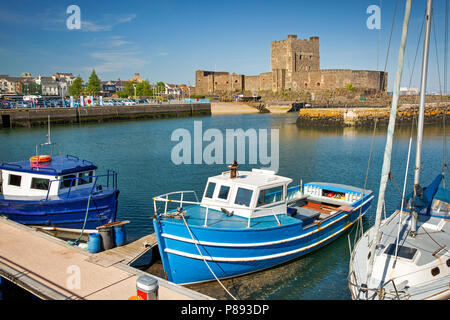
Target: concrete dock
34,117
51,269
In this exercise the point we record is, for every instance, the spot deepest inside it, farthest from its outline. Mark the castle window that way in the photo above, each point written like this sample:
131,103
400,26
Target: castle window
235,81
310,57
318,84
309,68
299,57
306,85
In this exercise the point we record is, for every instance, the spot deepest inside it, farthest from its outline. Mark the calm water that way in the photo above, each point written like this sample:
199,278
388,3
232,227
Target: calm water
141,154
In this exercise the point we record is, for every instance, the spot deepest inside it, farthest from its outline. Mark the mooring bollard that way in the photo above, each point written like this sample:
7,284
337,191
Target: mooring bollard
147,288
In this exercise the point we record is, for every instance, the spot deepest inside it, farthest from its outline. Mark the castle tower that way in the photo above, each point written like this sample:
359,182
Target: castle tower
293,55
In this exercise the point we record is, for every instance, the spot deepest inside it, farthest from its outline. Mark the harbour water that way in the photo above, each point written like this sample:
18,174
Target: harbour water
140,151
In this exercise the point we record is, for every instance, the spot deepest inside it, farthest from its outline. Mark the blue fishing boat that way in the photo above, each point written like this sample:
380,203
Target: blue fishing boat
61,192
249,221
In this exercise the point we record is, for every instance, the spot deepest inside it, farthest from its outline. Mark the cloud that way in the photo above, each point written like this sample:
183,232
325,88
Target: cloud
108,42
106,23
54,19
113,61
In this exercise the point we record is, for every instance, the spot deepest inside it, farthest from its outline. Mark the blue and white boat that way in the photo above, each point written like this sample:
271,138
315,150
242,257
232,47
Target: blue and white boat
249,221
60,192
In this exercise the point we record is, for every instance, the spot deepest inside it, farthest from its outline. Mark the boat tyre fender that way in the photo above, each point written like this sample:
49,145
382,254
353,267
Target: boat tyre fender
228,213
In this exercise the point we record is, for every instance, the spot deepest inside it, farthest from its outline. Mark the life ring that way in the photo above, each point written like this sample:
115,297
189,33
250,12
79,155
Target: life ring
40,159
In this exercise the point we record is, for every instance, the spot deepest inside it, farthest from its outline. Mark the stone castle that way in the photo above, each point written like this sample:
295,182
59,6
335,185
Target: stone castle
295,65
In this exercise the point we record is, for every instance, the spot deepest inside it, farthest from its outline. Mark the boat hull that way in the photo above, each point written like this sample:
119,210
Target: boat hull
64,213
234,252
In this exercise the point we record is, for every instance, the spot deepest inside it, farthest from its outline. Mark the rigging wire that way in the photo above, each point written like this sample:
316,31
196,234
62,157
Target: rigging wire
390,36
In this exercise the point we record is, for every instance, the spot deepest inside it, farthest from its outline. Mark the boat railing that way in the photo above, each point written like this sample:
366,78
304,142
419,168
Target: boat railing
110,177
165,198
380,292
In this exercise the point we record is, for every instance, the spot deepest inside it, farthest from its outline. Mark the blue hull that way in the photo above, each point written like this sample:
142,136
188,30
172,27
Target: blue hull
65,213
235,251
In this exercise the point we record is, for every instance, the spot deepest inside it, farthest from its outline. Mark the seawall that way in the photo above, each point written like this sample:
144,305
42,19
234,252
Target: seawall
343,117
35,117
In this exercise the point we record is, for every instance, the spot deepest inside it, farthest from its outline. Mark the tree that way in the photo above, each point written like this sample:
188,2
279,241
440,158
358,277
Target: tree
93,87
144,89
76,89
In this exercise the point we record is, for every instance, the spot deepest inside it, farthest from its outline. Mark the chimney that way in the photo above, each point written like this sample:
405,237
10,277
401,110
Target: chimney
233,169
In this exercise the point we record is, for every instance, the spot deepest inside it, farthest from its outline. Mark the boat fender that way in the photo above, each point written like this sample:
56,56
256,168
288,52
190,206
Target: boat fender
228,213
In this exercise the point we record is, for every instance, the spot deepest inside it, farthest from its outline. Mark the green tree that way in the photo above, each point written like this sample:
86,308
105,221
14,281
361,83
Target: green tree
143,89
93,87
128,89
76,89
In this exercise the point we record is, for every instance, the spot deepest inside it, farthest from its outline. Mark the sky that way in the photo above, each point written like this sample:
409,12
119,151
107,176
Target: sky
167,40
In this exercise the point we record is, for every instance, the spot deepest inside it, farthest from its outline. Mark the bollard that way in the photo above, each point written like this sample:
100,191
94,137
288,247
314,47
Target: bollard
147,288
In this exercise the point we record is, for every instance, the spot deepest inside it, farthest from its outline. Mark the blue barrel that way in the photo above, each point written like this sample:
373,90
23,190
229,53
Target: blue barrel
94,243
120,235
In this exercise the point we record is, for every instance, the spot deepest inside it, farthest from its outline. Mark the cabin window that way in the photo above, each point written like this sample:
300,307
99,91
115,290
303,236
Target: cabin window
271,195
85,177
15,180
68,181
243,197
39,183
223,193
435,271
210,190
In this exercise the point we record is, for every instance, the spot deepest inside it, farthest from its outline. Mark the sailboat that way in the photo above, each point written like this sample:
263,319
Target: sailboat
406,256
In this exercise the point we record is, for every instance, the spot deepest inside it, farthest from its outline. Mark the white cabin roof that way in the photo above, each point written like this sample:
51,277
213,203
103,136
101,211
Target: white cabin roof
255,178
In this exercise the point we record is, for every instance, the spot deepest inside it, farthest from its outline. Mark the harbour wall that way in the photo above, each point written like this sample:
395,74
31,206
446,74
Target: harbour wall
359,117
35,117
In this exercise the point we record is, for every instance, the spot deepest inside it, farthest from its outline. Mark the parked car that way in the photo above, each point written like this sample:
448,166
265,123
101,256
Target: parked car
4,104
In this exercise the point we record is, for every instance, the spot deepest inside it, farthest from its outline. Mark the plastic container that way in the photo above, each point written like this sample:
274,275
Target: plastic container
94,243
147,288
107,235
120,235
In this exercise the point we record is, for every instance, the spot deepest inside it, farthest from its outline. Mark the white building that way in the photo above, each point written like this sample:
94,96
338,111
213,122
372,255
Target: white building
49,85
172,89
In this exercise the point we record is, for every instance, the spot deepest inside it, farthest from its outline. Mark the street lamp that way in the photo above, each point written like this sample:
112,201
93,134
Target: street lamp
134,86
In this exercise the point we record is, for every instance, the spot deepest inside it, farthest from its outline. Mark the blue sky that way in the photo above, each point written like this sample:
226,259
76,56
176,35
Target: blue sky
168,40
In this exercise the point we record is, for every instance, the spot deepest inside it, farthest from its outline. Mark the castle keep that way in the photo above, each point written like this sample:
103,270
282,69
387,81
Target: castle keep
294,65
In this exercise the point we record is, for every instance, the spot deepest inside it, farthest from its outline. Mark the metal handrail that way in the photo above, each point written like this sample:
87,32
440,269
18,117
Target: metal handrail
165,198
111,173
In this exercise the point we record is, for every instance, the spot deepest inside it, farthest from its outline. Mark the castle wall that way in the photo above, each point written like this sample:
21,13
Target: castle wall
295,65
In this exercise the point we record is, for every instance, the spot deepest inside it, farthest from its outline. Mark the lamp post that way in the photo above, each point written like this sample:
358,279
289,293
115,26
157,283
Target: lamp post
134,86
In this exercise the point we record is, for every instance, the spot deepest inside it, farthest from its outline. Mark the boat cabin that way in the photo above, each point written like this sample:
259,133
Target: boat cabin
248,194
58,176
258,193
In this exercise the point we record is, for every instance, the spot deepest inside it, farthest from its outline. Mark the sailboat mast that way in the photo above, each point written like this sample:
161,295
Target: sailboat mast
389,140
423,85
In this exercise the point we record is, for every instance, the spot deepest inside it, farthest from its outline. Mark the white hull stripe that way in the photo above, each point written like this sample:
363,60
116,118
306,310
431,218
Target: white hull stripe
244,259
259,244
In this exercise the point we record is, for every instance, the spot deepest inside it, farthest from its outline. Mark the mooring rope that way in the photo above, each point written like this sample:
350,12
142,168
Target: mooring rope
204,260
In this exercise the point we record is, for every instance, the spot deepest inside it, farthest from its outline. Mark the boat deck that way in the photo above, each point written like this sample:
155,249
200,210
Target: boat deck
195,216
48,268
